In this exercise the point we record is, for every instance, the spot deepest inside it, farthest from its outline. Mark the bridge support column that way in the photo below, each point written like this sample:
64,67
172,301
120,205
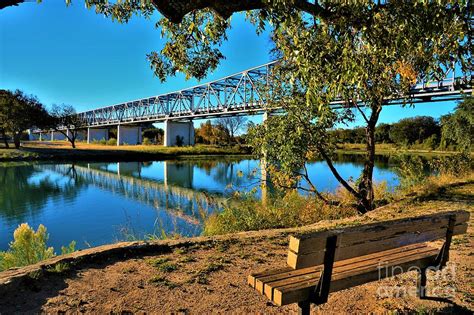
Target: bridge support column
56,135
94,134
33,136
174,130
129,135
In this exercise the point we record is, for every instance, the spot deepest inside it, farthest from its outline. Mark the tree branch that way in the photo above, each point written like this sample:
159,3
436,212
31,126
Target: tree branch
175,10
336,173
360,110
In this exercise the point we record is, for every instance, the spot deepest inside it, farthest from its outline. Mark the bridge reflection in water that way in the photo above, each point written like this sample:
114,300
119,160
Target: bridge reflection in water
173,193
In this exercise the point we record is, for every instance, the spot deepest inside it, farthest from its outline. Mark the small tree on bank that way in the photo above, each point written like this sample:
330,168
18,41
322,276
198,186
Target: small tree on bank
65,120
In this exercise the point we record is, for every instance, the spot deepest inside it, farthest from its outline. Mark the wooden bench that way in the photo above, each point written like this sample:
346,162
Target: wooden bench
333,260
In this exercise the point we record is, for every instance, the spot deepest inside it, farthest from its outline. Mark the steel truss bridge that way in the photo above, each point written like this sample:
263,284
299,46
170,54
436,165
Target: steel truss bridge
243,93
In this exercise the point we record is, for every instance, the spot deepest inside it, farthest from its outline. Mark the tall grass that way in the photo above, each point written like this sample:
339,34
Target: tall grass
291,210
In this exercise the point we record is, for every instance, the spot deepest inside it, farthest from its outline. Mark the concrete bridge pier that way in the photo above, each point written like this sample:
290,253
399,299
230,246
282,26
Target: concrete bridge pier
129,135
33,136
182,129
97,134
129,168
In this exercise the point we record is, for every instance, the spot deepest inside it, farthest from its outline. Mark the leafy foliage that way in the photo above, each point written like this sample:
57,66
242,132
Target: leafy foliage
209,133
412,130
458,128
411,170
455,165
29,247
19,112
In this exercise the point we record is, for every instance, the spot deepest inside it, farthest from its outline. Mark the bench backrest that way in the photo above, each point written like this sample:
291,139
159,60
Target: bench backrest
308,249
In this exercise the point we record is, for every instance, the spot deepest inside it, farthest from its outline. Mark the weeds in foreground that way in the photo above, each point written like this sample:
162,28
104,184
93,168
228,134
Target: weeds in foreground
29,247
160,280
202,275
156,262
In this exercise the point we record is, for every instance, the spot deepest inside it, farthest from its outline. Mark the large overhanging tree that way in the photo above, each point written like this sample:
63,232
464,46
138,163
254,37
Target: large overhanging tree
357,50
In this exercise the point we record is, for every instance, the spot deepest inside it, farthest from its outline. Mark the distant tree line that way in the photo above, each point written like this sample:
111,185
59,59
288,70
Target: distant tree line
222,132
454,131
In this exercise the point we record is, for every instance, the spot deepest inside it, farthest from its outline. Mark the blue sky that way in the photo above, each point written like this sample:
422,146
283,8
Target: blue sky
72,55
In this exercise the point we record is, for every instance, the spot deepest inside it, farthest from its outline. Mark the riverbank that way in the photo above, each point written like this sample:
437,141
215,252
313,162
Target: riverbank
386,149
62,151
209,274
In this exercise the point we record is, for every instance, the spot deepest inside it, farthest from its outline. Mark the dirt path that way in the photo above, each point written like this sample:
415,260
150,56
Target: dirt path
211,278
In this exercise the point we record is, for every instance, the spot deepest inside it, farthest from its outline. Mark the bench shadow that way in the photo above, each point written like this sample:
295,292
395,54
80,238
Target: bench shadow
451,308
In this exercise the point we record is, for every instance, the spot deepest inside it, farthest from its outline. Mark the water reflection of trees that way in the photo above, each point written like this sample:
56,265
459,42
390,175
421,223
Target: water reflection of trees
21,197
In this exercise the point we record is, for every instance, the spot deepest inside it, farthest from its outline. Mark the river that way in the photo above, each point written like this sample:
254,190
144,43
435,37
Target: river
99,203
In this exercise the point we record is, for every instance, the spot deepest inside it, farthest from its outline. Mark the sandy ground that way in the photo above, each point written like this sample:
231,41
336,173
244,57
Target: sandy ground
203,279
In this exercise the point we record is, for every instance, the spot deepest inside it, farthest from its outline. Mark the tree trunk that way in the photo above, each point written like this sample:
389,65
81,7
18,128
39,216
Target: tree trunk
71,139
5,140
16,139
366,189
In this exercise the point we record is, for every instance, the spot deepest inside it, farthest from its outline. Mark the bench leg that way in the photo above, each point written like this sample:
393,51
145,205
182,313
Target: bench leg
421,292
303,308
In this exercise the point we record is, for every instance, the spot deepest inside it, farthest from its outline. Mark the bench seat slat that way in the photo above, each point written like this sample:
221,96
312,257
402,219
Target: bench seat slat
293,286
253,276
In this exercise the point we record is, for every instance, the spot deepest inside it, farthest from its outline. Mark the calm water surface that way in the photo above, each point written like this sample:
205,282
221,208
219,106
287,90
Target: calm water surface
99,203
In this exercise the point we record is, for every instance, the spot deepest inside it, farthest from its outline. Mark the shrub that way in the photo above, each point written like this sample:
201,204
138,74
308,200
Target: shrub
411,171
179,141
29,247
454,165
103,141
112,141
290,210
146,141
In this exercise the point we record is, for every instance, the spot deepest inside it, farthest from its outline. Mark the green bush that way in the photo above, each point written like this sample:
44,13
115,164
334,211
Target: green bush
454,165
29,247
112,141
411,171
146,141
291,210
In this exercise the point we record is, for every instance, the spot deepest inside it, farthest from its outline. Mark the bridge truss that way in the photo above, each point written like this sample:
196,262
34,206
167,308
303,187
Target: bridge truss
242,93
